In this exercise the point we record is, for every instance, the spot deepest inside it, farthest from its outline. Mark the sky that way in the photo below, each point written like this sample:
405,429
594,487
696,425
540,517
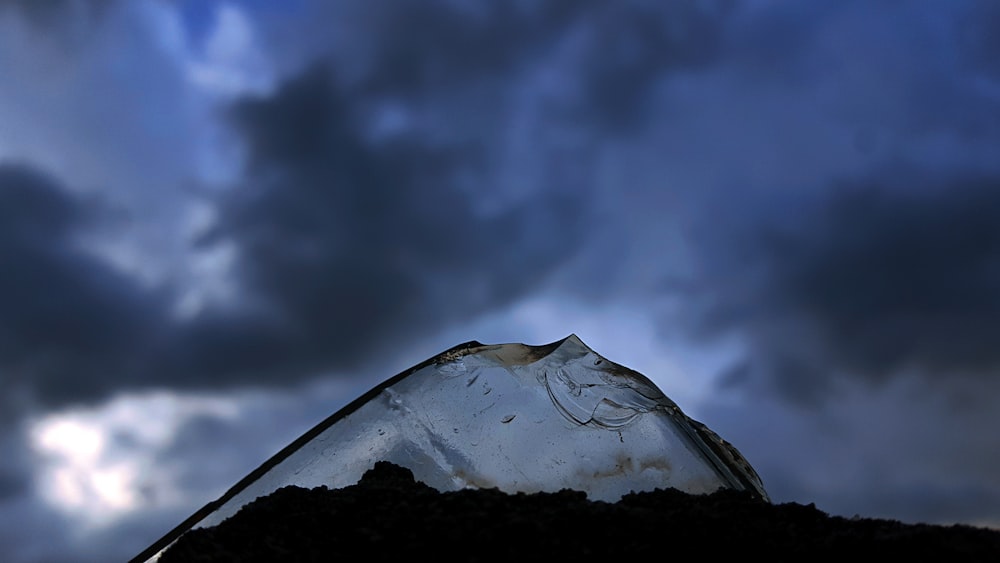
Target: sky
222,221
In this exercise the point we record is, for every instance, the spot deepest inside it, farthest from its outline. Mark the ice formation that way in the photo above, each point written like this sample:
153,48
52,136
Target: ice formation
515,417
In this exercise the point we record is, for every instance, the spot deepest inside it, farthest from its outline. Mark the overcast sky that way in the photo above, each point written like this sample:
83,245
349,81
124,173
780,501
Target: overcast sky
222,221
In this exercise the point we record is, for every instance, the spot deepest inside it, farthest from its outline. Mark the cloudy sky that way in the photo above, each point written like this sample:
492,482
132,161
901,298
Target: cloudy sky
222,221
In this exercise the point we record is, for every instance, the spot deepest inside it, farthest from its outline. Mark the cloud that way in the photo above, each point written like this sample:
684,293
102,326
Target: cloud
386,195
107,105
595,63
70,326
49,13
345,245
341,248
881,275
347,232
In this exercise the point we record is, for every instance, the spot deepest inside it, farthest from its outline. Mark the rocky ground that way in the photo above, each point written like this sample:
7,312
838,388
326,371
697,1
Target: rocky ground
388,516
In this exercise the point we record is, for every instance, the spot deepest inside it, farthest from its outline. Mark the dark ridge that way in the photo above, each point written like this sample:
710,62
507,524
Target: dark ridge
389,516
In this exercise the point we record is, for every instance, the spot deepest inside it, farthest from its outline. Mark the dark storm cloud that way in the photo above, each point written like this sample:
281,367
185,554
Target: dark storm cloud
608,56
895,273
49,13
432,46
634,47
69,324
345,245
345,241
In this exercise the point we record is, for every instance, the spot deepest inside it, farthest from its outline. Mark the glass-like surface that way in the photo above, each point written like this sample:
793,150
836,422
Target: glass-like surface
515,417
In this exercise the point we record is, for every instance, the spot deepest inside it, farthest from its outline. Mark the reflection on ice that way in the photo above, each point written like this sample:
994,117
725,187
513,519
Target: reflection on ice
515,417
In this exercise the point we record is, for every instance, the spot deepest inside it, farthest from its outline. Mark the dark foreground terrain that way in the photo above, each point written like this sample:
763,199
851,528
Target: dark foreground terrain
389,516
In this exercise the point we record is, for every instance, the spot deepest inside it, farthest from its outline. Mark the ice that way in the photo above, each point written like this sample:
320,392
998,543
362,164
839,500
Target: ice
515,417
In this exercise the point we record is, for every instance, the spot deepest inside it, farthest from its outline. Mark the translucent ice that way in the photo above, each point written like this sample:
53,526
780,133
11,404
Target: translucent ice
515,417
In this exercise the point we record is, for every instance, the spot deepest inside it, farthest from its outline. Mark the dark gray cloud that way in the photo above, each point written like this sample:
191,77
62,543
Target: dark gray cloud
883,275
634,47
342,237
56,14
346,240
345,245
50,8
435,46
70,325
604,59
